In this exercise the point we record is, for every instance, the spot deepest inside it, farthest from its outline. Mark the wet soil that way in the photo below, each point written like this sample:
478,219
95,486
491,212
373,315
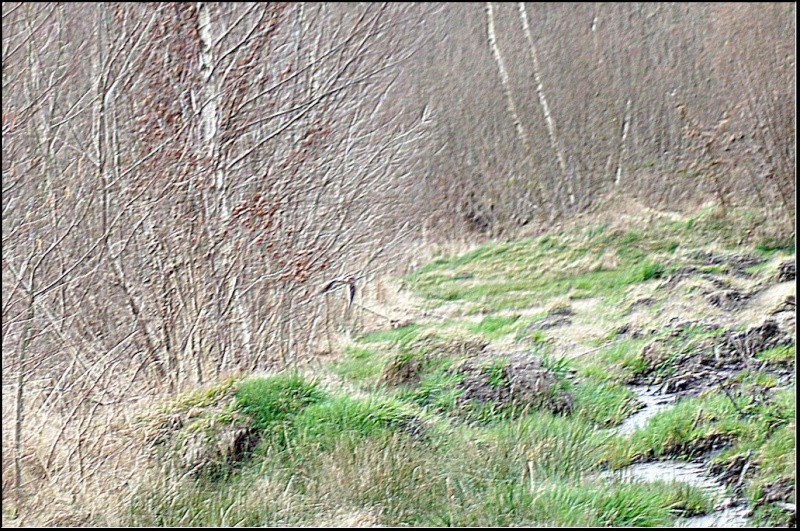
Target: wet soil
728,300
712,360
736,263
690,357
715,357
515,379
551,321
786,271
652,402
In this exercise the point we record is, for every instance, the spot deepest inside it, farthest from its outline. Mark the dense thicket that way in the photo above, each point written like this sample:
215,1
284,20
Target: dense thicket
672,103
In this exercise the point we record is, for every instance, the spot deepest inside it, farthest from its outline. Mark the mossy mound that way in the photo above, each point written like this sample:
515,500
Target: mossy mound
201,433
514,380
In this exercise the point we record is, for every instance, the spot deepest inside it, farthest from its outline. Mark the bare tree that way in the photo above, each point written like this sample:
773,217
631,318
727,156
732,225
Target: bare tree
172,205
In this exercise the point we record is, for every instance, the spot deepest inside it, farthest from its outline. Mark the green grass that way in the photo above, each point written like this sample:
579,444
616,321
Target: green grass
501,276
201,398
531,288
679,430
778,355
777,463
362,365
553,446
493,327
603,402
619,504
337,453
619,362
752,382
774,455
324,424
272,400
741,420
537,337
400,336
771,245
409,451
438,389
524,471
777,458
497,373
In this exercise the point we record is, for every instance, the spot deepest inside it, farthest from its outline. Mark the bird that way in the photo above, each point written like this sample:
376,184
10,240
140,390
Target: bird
349,280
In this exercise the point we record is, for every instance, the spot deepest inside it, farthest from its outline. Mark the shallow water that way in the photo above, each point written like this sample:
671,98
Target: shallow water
728,517
653,403
726,514
694,474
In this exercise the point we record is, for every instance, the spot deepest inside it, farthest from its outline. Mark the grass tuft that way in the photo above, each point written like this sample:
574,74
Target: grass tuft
325,423
275,399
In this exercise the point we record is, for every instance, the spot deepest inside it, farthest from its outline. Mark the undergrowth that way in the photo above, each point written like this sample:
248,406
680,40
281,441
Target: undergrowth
415,450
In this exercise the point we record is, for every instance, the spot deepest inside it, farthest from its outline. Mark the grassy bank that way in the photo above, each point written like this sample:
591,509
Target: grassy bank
501,410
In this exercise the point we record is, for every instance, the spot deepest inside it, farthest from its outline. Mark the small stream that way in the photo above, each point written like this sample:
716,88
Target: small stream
727,512
653,401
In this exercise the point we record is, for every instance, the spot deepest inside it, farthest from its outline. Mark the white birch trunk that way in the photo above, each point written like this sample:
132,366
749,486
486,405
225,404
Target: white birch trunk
623,142
512,108
209,119
551,127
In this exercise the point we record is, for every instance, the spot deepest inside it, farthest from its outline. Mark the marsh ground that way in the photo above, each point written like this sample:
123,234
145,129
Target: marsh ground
495,394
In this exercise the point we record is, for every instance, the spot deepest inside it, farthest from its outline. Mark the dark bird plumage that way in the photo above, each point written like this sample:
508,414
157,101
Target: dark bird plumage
350,280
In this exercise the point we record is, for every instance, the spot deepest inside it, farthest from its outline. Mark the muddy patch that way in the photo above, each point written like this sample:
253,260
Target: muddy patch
707,284
512,380
709,361
628,330
734,471
551,321
786,271
643,302
558,315
727,513
757,339
690,357
560,309
782,494
725,516
679,276
736,263
728,300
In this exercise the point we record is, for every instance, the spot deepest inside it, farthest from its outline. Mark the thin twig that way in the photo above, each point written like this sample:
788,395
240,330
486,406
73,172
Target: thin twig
598,348
736,406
